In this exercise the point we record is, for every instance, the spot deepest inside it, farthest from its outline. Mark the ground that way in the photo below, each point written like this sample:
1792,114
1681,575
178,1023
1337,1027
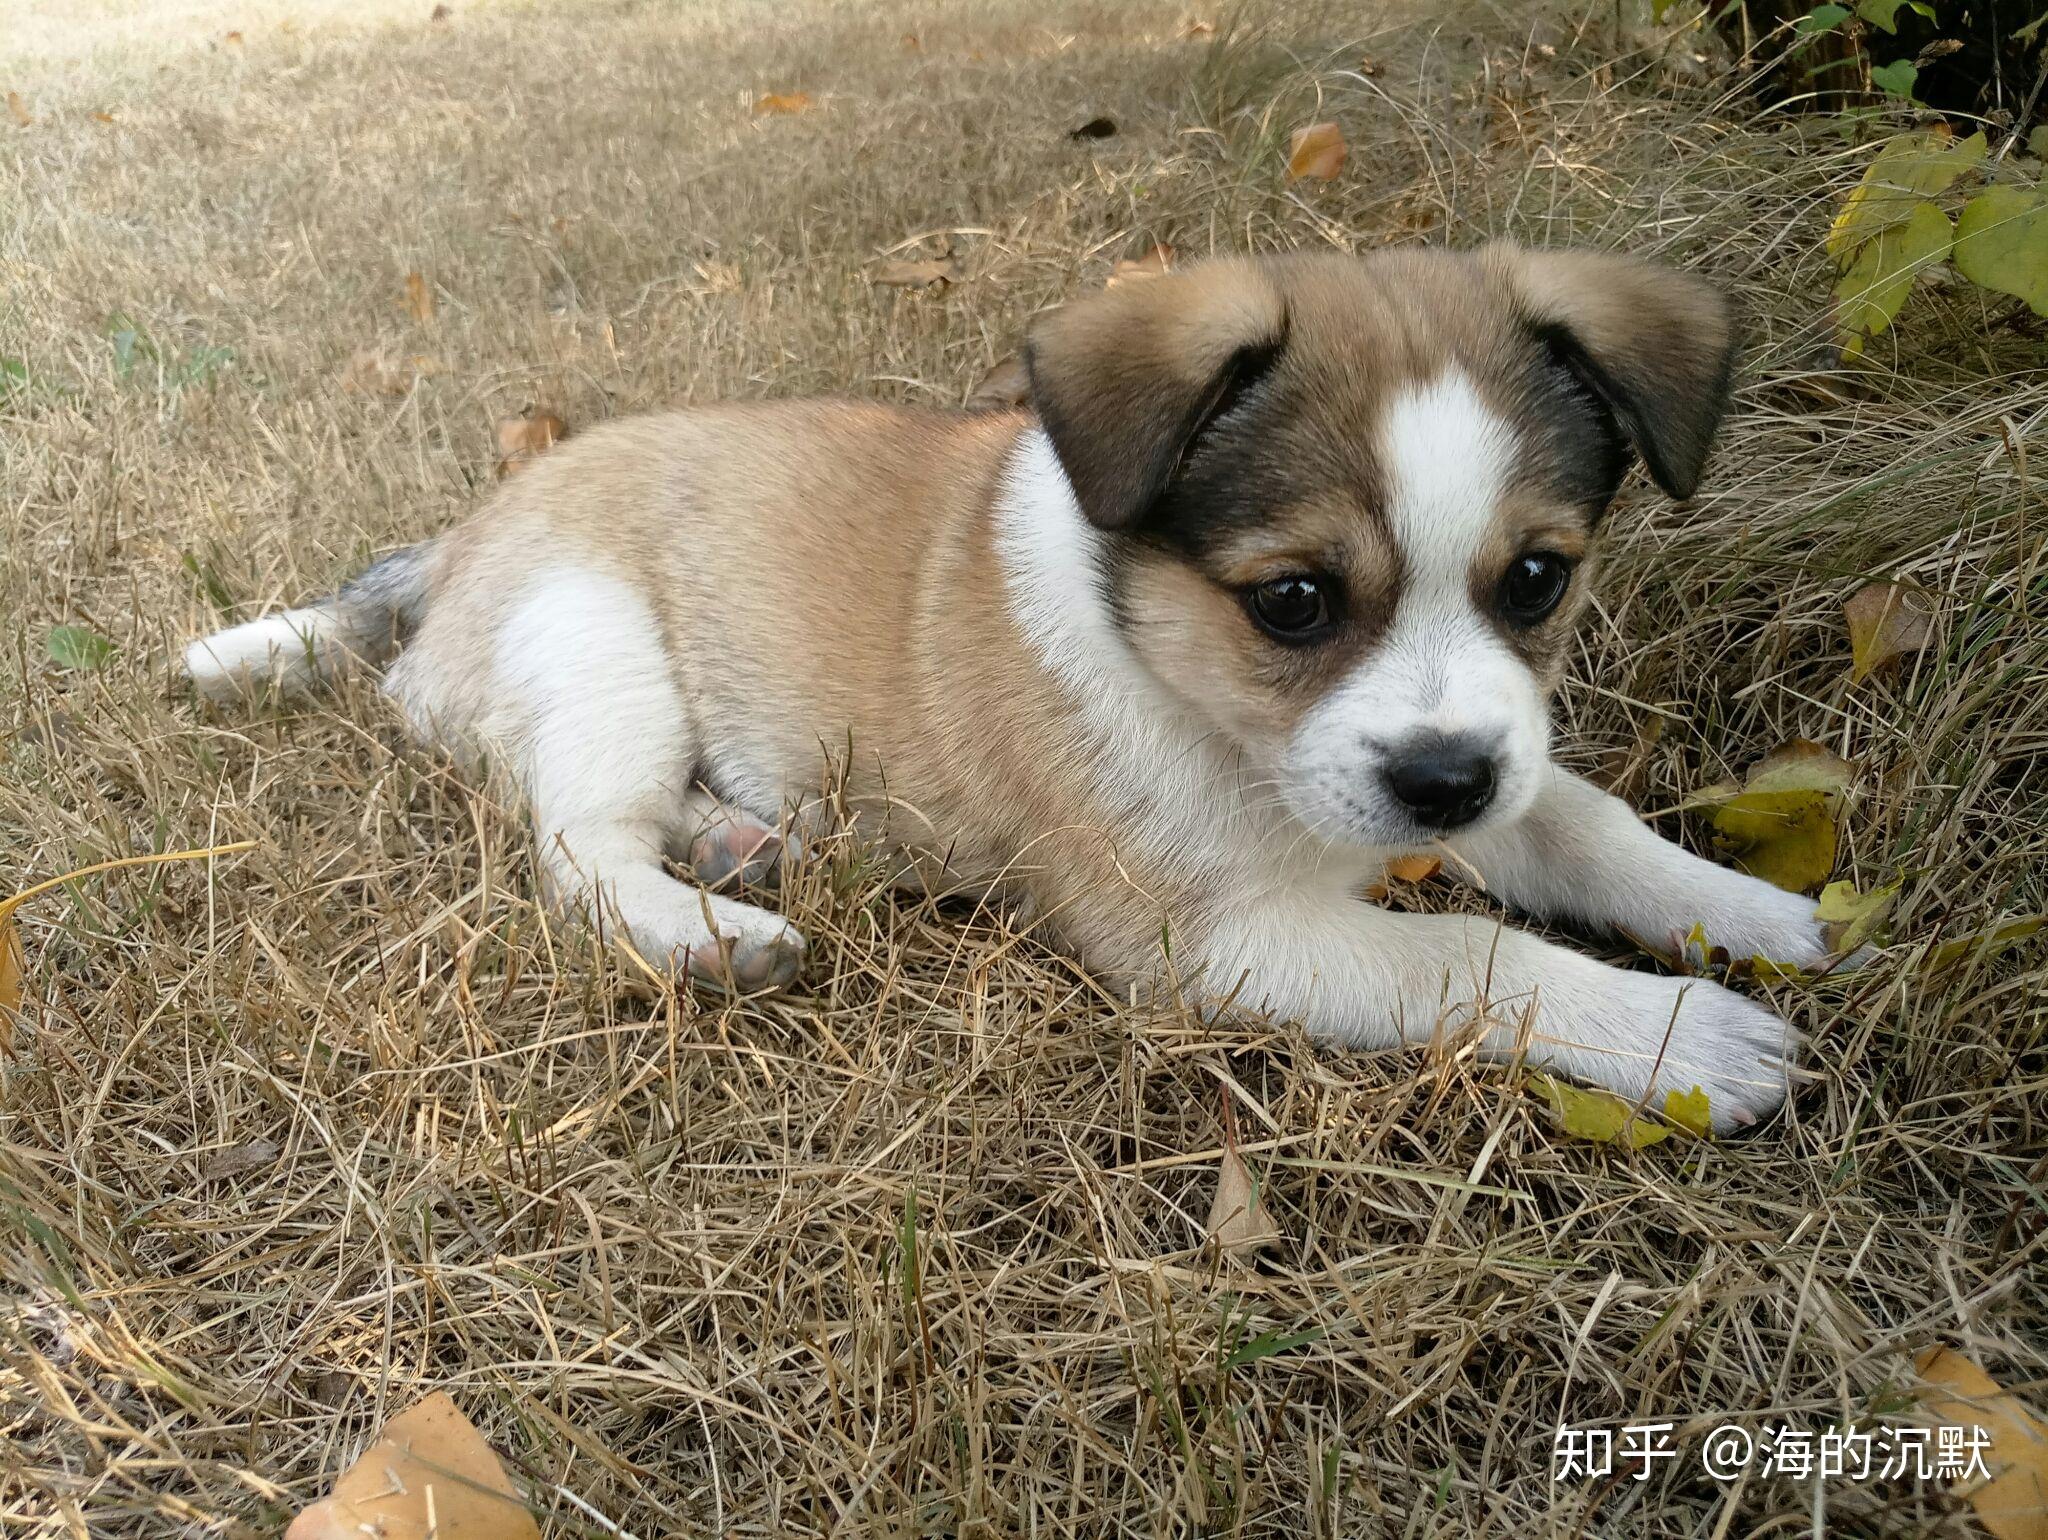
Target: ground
292,1136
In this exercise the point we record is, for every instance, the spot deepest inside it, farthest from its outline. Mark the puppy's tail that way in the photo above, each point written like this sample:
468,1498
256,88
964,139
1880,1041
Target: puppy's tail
297,649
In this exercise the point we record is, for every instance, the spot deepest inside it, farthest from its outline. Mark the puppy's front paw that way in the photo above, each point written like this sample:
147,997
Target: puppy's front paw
1739,1052
1753,918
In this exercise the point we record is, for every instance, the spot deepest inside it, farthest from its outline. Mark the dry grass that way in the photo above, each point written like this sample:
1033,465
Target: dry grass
290,1140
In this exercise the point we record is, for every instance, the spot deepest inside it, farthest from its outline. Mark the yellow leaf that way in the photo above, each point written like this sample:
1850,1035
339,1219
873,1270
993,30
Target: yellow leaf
1599,1116
19,108
2002,243
1908,171
1782,824
1854,915
1317,152
1690,1110
2012,1502
1873,288
1237,1218
786,104
419,297
1886,621
429,1474
11,964
1963,948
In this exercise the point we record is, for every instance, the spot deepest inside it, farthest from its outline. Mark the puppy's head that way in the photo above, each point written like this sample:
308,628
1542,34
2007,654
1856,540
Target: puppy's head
1349,508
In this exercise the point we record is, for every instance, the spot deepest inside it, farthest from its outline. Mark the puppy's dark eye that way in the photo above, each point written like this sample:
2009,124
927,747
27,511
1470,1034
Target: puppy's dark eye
1292,609
1533,586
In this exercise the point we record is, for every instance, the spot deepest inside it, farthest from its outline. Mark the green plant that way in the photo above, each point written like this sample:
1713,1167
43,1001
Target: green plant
1896,225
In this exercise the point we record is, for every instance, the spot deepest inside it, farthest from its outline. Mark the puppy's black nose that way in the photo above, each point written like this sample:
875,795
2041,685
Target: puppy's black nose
1444,783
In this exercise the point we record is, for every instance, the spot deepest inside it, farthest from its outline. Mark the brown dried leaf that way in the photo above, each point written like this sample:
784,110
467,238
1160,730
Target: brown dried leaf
911,43
1317,153
218,1165
784,104
10,978
419,297
1237,1218
917,275
101,117
1008,384
1195,27
374,372
19,108
1155,263
526,437
1886,621
233,40
430,1475
2013,1502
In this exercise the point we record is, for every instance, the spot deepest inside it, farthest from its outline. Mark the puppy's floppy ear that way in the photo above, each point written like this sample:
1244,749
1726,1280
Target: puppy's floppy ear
1656,345
1126,379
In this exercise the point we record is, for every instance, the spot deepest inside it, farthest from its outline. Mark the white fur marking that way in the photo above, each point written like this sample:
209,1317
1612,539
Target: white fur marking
296,649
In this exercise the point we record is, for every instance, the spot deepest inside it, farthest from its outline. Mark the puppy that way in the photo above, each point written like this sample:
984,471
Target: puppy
1272,582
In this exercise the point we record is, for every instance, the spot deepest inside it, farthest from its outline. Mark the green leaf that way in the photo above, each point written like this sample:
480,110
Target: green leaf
79,648
1895,78
1266,1344
1869,296
1822,18
1599,1116
1884,14
2002,243
1909,170
2037,141
13,377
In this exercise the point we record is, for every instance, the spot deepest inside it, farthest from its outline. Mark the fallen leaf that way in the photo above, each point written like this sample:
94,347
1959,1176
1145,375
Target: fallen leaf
1198,28
1237,1217
419,297
1599,1116
1008,384
1238,1220
1997,939
1782,823
233,40
1886,621
1690,1110
1317,152
1095,128
526,437
1414,868
1909,170
101,117
784,104
1153,264
440,13
1853,916
11,965
218,1165
430,1474
917,275
19,108
2013,1502
1368,66
79,649
911,43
